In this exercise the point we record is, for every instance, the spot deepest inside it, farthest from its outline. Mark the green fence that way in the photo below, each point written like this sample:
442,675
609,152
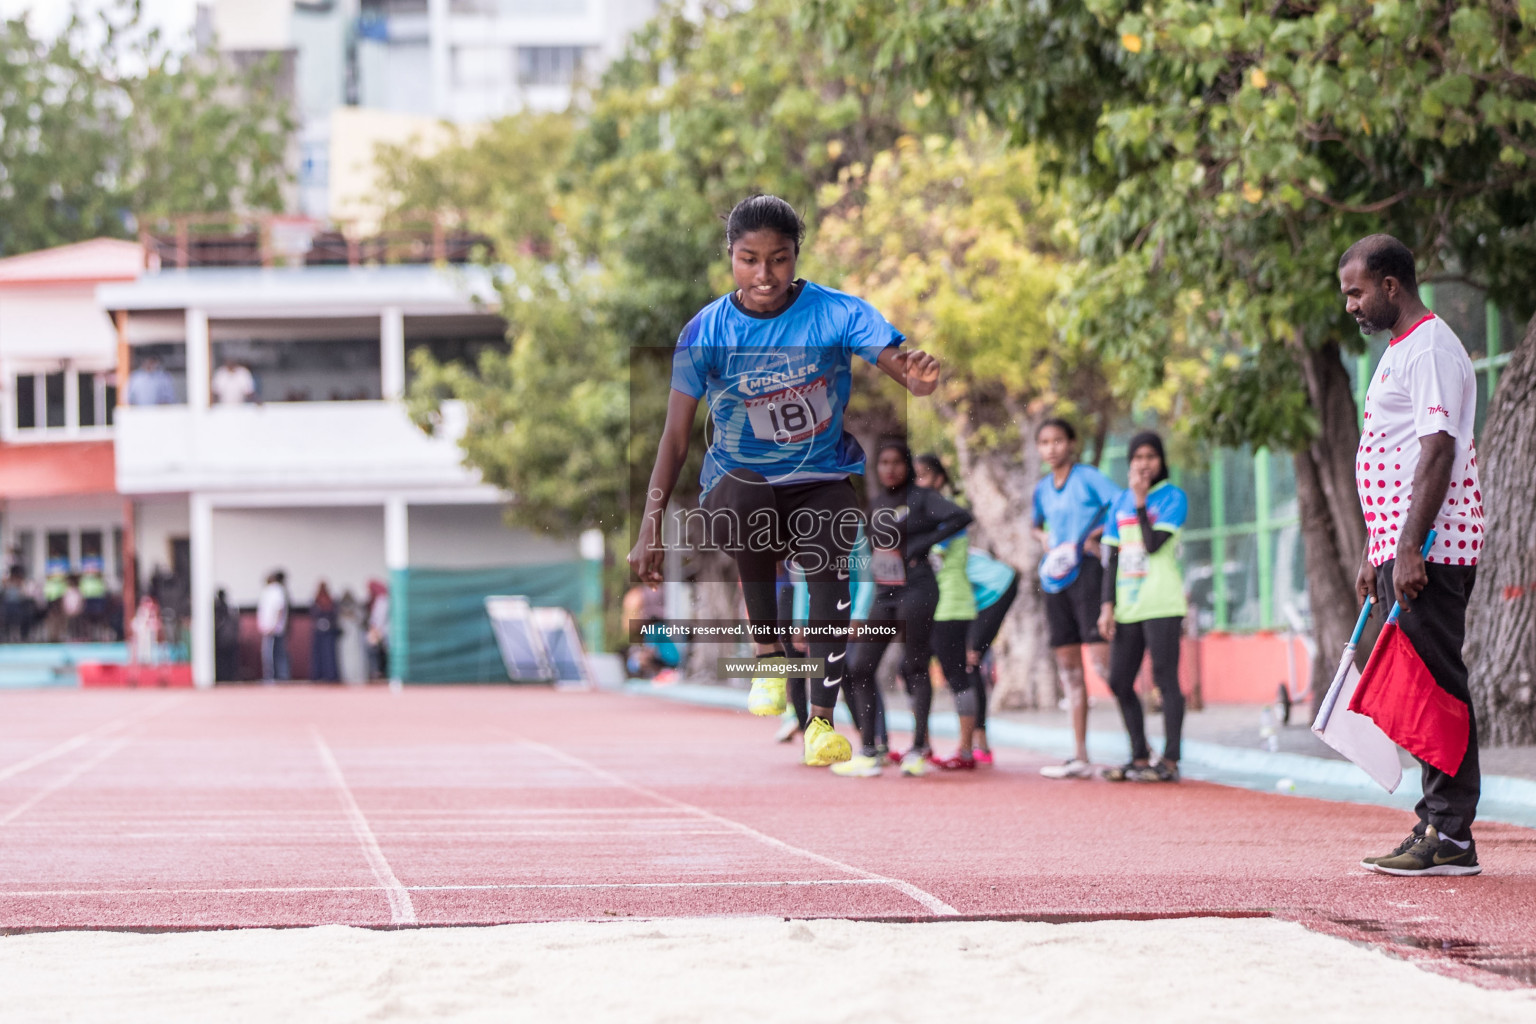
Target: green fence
439,630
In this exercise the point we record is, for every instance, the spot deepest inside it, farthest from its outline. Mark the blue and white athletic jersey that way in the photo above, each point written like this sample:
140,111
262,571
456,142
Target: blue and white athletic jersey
1069,515
777,385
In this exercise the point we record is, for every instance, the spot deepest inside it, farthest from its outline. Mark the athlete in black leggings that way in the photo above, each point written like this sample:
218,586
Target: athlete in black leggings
993,585
984,628
905,522
1143,605
795,647
773,359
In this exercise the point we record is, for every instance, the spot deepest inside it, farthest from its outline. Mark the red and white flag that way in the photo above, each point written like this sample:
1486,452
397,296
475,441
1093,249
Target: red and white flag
1355,736
1397,692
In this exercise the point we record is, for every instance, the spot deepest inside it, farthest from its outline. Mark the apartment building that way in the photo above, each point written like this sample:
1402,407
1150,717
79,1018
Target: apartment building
58,391
422,61
320,473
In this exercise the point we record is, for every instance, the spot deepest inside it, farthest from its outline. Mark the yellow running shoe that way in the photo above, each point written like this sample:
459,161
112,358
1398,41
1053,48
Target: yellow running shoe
860,767
767,697
825,745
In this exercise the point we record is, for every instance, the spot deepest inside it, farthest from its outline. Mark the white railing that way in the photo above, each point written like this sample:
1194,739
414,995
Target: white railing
287,446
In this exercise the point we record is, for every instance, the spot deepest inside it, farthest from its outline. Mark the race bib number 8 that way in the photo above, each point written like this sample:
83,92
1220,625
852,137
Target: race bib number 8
791,415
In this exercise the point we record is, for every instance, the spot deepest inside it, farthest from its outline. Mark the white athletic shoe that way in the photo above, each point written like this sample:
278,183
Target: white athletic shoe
915,763
1073,769
788,729
858,767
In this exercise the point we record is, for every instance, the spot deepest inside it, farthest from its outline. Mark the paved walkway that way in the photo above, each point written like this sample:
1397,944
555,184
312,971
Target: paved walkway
1244,726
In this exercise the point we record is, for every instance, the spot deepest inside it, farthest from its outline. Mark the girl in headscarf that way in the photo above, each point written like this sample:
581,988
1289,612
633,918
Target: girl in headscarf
1143,604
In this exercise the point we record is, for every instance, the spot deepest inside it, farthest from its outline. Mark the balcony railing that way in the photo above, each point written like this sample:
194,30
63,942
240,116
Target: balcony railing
285,446
219,240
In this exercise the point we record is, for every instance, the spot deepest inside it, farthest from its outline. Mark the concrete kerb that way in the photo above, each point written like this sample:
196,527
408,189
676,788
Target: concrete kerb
1505,798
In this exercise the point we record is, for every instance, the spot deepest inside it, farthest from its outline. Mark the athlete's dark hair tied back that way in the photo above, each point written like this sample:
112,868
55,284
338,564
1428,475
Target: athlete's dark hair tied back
1058,423
756,213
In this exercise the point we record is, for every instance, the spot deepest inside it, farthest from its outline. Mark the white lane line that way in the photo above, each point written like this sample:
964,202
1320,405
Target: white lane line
927,899
289,838
400,909
519,886
651,885
646,816
76,742
59,783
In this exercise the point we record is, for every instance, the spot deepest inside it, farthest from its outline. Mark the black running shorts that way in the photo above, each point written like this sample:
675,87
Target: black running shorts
1072,616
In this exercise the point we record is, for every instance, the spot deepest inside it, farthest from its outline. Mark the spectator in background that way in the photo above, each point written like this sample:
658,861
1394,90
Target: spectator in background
1143,604
17,608
145,633
1069,504
73,606
351,641
93,589
54,586
233,384
150,384
226,639
272,623
322,620
378,630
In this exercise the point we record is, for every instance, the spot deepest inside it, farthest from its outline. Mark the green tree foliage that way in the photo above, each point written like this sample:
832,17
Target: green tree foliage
628,219
1221,156
548,416
95,129
1235,151
503,179
954,240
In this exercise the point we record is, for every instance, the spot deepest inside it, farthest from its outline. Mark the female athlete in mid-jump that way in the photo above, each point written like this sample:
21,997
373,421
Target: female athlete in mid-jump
773,359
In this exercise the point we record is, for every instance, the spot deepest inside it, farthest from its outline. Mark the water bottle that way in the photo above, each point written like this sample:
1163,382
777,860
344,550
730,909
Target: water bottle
1268,730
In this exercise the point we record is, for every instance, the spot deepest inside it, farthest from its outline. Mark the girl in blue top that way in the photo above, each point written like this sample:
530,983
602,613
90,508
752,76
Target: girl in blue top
1069,518
773,359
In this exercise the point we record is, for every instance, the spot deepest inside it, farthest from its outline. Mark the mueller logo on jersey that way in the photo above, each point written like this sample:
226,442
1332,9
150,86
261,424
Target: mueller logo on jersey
753,380
1442,410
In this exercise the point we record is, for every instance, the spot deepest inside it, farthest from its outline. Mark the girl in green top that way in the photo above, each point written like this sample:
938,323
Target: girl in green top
1143,604
952,620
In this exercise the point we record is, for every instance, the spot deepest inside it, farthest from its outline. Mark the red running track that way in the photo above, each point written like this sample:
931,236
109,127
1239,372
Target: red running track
439,806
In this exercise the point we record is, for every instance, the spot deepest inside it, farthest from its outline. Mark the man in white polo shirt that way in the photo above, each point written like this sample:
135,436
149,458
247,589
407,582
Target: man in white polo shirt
1416,471
233,383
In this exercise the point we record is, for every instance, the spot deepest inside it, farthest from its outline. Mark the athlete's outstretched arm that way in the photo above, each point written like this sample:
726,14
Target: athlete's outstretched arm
916,371
671,453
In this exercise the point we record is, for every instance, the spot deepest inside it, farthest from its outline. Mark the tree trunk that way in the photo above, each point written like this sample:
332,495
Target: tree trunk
999,482
1330,586
1501,621
716,595
1332,525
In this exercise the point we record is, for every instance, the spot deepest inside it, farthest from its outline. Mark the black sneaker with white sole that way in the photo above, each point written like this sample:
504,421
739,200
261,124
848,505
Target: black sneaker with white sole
1431,855
1121,773
1402,848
